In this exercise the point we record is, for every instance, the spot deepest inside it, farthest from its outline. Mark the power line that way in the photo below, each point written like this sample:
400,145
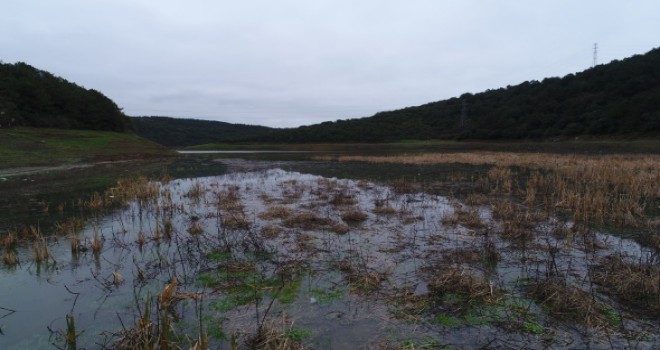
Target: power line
595,54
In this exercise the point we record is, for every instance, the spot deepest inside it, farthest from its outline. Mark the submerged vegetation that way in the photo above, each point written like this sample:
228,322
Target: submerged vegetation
524,250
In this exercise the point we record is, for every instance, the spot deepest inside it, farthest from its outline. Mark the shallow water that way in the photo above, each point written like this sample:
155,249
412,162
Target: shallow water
242,266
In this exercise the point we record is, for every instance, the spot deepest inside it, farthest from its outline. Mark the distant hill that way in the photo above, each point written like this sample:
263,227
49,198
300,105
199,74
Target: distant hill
619,98
35,98
177,132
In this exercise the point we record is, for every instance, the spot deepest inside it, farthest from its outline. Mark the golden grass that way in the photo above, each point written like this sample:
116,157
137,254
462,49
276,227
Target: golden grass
616,189
276,212
636,284
353,215
463,282
570,303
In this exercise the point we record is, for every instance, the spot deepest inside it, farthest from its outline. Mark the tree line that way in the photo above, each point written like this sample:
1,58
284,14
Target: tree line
178,132
36,98
618,98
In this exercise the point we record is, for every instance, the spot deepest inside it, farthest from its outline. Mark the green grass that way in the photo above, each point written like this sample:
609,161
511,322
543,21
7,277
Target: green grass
23,147
298,334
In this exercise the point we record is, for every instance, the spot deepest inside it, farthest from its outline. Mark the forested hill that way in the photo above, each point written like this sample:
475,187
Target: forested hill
619,98
176,132
36,98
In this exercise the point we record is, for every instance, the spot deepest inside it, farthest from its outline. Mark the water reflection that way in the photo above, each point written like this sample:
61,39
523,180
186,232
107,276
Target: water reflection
353,261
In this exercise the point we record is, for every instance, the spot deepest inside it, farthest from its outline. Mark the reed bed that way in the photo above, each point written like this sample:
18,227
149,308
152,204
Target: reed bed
611,189
254,245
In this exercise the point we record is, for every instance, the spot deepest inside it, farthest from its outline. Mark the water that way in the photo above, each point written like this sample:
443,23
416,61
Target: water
278,247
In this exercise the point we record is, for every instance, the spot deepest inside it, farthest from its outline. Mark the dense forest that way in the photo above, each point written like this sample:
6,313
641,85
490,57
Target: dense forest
619,98
176,132
36,98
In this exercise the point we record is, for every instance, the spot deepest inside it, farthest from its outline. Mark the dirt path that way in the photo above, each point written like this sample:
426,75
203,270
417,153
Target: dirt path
5,173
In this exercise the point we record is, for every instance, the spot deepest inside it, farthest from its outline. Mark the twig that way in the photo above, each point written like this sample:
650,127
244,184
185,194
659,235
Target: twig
74,300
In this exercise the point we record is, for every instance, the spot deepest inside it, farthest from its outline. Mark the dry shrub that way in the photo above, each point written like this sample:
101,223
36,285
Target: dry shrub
504,210
409,219
307,221
570,303
651,240
343,265
462,282
365,281
340,229
235,221
305,242
353,215
128,189
342,199
519,225
271,336
636,284
470,219
401,186
229,199
501,179
10,258
612,188
271,231
195,228
449,219
278,212
288,269
384,210
196,191
476,199
517,230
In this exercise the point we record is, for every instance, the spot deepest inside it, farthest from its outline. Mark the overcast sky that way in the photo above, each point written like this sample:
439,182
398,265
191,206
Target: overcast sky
287,63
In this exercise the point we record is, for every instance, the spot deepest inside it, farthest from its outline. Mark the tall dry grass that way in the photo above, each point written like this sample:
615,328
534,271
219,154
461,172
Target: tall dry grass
614,189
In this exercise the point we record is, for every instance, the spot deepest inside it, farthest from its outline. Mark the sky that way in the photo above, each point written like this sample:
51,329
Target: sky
287,63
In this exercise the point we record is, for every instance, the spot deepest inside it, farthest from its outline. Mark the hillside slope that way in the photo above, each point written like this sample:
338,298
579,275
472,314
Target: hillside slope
619,98
176,132
21,147
35,98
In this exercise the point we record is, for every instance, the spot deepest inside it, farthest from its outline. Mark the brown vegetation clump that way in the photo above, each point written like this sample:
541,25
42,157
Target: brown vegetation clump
277,212
353,216
449,219
365,281
229,199
196,191
384,210
470,219
636,284
342,198
612,188
402,186
235,221
570,303
274,337
10,258
128,189
271,231
476,199
340,229
195,228
462,282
